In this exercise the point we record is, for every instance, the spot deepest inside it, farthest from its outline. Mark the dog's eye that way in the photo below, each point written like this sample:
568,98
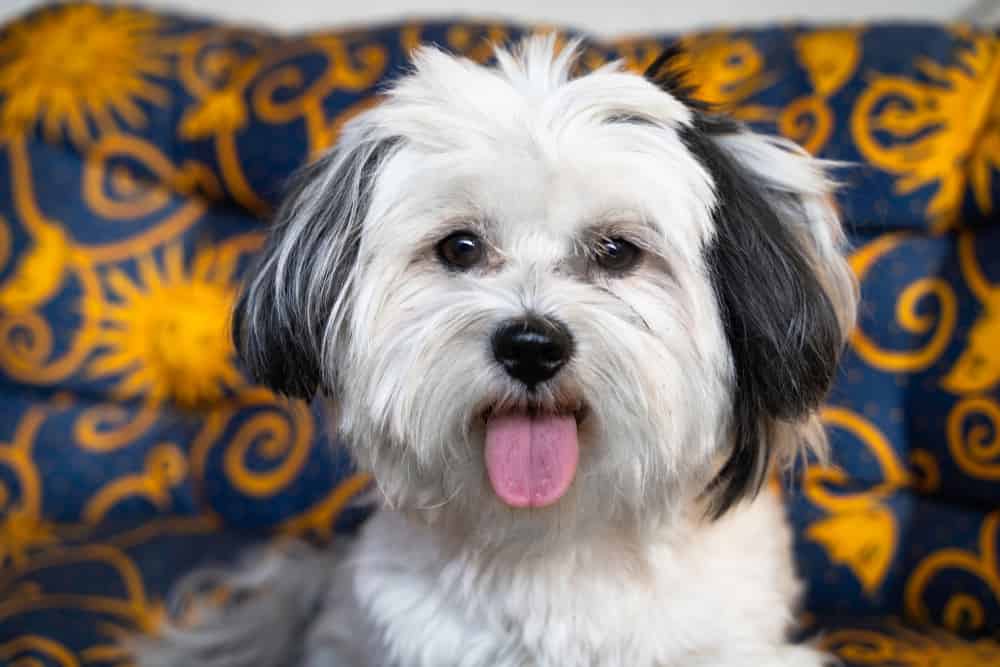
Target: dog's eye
616,254
461,250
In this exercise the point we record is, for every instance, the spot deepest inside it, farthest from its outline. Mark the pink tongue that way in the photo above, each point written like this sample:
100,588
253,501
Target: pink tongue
531,461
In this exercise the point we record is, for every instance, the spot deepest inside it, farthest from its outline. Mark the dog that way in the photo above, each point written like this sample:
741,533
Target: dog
571,323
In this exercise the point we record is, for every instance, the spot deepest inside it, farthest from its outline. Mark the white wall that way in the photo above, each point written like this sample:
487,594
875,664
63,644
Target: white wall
605,17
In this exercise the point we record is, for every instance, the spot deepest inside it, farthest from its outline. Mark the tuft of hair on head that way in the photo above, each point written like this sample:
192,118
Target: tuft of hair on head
786,294
537,61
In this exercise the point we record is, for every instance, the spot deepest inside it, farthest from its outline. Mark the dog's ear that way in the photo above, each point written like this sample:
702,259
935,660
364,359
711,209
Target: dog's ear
786,294
297,298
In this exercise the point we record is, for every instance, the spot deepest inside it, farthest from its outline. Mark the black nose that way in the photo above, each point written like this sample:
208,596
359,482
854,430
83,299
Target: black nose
532,349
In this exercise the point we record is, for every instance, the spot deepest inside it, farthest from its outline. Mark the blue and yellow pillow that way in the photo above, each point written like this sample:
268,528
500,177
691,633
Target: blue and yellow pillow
140,154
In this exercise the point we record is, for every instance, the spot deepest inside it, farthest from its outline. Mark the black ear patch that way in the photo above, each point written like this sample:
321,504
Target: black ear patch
280,319
273,347
781,326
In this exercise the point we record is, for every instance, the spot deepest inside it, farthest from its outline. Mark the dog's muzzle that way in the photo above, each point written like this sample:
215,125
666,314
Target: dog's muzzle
530,454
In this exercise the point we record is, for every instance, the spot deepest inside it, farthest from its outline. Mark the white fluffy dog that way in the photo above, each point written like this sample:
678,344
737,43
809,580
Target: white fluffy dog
570,324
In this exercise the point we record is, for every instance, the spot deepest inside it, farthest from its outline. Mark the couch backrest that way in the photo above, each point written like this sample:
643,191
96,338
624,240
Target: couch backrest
140,154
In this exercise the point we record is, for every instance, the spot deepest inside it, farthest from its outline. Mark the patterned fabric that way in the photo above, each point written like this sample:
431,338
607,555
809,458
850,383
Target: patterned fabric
139,153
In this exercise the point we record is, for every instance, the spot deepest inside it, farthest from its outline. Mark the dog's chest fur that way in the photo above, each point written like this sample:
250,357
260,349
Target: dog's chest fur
684,599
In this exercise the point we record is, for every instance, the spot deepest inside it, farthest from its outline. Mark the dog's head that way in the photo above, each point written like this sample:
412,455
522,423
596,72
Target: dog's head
588,297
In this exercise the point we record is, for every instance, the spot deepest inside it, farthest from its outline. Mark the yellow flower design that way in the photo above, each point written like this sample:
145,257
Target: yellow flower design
978,367
942,131
860,530
73,66
168,333
830,58
861,538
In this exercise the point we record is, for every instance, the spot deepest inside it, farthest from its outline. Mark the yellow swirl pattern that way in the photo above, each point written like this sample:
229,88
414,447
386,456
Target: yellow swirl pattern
962,612
166,467
213,71
132,607
27,338
353,67
940,331
901,648
131,198
976,450
22,527
275,435
318,520
30,650
831,58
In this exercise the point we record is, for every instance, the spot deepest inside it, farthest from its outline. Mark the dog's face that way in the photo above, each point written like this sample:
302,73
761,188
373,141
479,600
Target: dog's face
539,303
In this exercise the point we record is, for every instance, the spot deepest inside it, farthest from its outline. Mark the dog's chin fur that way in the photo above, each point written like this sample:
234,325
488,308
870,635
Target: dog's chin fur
695,374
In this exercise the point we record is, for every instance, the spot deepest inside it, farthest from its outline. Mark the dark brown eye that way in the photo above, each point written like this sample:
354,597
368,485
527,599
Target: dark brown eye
616,254
461,250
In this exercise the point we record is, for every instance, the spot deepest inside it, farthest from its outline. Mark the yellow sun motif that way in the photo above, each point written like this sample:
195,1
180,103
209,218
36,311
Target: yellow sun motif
71,67
167,334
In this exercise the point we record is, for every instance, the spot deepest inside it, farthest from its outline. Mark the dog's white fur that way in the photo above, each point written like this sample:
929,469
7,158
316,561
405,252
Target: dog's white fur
627,568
